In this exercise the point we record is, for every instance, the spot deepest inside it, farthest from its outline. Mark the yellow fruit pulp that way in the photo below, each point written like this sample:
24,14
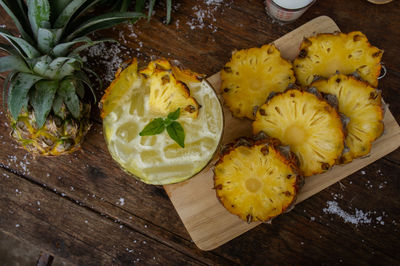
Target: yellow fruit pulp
158,159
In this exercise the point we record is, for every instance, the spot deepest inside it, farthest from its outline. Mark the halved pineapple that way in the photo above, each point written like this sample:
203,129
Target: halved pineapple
256,181
308,124
325,54
251,75
167,93
363,105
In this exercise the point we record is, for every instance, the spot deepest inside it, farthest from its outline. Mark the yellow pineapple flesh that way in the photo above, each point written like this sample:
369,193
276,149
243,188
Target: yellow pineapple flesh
167,92
362,104
251,75
325,54
255,181
308,124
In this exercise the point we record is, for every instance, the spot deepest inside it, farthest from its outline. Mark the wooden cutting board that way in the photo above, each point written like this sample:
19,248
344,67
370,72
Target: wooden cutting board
206,220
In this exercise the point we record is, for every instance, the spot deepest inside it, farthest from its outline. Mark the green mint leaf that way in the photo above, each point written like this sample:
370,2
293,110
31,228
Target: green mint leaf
174,115
155,127
176,132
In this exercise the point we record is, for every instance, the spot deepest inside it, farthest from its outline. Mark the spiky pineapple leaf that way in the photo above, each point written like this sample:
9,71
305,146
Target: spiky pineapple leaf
57,68
38,15
18,91
62,49
124,5
139,5
66,14
59,107
41,64
68,94
80,88
47,38
169,9
82,47
42,98
80,75
13,62
16,10
57,6
8,48
9,77
102,22
24,48
151,7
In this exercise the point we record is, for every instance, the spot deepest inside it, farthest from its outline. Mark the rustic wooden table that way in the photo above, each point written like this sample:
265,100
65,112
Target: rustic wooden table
83,209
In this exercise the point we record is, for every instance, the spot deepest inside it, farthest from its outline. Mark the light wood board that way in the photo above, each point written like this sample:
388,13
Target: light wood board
206,220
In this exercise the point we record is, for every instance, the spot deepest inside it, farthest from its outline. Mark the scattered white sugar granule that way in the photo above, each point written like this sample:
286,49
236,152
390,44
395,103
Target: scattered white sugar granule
363,172
121,201
358,218
17,225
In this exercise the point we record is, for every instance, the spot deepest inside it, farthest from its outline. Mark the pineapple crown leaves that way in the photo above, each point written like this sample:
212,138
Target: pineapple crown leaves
46,69
140,5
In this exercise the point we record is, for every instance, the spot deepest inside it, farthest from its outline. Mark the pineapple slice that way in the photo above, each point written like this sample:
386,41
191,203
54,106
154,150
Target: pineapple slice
251,75
363,105
325,54
255,181
167,92
308,124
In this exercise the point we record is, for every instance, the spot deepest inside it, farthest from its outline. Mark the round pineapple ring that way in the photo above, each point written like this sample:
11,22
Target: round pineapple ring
308,124
325,54
158,159
363,105
251,75
255,181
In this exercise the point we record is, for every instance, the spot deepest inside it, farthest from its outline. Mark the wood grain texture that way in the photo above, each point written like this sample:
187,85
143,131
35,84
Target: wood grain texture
207,221
306,235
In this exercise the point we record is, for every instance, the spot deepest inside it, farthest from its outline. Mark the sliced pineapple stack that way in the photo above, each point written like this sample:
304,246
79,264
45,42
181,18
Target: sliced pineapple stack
362,104
308,124
251,75
325,54
256,181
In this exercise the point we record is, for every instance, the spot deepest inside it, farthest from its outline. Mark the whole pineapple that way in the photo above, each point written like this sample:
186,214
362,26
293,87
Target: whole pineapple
47,105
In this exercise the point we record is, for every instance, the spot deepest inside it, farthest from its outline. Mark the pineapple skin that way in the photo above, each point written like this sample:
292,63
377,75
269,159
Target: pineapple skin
325,54
57,136
251,75
362,104
274,124
252,208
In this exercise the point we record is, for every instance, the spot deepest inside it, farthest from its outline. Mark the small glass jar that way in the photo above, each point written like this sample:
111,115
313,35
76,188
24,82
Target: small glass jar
286,11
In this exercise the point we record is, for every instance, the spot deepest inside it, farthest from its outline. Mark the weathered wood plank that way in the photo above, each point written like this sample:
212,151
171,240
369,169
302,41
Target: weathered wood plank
70,231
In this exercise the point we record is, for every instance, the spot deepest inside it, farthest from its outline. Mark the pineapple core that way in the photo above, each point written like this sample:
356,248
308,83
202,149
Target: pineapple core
253,184
294,135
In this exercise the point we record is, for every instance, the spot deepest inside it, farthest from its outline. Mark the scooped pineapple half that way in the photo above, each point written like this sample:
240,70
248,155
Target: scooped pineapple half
137,98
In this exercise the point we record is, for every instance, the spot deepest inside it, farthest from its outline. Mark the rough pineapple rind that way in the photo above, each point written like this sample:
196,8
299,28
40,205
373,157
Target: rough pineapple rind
251,75
325,54
362,104
255,181
308,124
56,137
